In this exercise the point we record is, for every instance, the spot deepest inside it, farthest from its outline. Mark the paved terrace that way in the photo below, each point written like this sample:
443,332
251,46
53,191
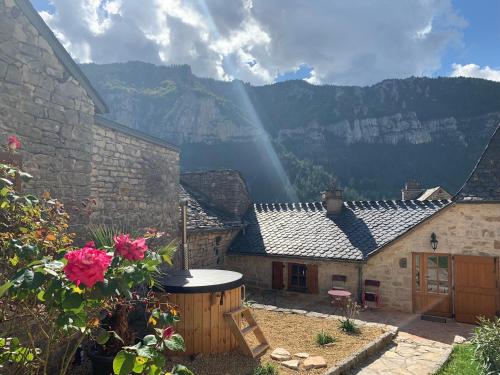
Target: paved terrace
419,349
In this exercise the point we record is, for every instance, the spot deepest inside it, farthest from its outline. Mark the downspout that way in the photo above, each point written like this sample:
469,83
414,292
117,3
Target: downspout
184,246
360,282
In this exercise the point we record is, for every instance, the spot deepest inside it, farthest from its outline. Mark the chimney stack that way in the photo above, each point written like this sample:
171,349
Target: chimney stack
412,190
333,200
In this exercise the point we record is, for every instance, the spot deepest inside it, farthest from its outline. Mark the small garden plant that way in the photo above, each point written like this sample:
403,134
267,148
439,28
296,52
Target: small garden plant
324,338
486,341
266,369
347,322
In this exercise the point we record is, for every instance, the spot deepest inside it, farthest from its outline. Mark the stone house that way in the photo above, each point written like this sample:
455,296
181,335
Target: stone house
216,203
438,257
413,190
122,176
81,157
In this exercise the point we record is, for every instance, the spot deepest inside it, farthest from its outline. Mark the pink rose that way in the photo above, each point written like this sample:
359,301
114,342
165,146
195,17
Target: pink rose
129,248
168,333
87,265
13,143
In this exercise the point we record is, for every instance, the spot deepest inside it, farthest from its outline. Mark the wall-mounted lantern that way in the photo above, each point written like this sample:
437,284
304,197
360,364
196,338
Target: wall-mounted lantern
434,241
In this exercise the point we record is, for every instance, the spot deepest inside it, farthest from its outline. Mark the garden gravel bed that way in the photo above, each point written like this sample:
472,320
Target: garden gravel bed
296,332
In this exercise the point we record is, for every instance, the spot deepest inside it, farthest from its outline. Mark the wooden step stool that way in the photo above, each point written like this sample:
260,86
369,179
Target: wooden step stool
240,333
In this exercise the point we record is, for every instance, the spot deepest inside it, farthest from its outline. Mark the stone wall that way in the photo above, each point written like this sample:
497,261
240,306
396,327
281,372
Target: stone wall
257,271
208,249
133,178
47,109
226,189
134,181
465,229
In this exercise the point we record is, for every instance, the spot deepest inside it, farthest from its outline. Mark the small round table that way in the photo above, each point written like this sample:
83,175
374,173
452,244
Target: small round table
339,298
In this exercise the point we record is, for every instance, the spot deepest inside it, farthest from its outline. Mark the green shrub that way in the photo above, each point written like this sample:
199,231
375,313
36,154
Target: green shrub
348,326
347,323
266,369
324,338
486,341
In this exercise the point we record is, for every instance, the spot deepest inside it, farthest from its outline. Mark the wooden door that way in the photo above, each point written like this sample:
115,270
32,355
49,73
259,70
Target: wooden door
277,281
476,287
432,284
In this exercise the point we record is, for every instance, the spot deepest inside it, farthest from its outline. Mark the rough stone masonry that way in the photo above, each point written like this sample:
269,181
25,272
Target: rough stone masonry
134,179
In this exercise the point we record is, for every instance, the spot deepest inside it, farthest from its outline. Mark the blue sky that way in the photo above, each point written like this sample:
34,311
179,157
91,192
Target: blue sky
481,35
268,43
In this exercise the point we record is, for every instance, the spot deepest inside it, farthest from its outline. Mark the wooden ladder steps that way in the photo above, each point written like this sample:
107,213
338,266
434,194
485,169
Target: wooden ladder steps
249,329
232,318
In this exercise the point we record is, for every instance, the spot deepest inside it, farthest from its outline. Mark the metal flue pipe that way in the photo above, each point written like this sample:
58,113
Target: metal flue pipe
184,246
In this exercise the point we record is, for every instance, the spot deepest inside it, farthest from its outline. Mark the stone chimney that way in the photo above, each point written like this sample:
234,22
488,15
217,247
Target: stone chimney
411,190
333,200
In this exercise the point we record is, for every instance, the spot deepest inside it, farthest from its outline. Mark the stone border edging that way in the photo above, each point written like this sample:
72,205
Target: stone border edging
440,363
357,357
362,354
458,340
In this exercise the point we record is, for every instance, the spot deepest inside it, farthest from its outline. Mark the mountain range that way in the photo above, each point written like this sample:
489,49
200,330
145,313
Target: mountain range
292,139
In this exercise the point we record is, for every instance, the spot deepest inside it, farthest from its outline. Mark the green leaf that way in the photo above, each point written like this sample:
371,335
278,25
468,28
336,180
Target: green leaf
72,301
140,363
5,287
154,370
123,363
146,351
150,340
181,370
102,336
41,295
5,181
25,176
175,343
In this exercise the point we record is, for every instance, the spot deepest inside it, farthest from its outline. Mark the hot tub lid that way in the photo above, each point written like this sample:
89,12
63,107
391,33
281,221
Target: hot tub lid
201,281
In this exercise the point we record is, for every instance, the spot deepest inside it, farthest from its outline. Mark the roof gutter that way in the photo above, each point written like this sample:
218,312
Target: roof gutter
354,261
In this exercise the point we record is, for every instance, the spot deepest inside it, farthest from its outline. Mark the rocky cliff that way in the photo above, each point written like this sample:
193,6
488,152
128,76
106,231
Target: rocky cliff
290,139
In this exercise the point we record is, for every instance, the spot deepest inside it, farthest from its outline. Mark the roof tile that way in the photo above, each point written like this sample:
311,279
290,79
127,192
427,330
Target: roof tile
305,230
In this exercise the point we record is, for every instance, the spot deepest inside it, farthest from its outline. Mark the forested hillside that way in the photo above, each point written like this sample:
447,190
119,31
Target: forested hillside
370,138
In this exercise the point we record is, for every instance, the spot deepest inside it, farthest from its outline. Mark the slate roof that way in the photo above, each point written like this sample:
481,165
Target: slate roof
428,193
61,53
484,182
305,230
203,216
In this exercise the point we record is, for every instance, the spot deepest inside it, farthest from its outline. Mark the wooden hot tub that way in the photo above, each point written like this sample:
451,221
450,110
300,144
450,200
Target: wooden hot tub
203,296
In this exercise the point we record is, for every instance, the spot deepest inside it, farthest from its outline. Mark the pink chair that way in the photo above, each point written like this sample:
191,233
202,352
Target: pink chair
371,293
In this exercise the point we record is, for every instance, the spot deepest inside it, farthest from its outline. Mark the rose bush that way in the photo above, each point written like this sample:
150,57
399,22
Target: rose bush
53,295
86,265
130,249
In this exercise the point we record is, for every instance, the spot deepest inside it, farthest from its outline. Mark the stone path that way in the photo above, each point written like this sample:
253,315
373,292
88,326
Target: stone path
409,354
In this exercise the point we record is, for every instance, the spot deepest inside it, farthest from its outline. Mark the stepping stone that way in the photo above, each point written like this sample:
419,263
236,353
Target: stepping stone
281,354
292,364
314,362
302,355
459,339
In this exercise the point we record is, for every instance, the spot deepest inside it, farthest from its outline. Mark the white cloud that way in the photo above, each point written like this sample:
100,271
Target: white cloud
475,71
345,42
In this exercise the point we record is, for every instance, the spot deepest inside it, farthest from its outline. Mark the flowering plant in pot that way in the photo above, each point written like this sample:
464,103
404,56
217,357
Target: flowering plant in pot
52,295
